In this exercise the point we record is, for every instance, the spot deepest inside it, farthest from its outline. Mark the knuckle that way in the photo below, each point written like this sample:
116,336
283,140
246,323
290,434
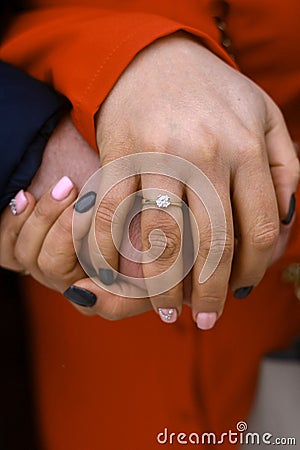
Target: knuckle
164,240
209,139
212,301
64,223
220,245
226,247
21,256
209,146
47,266
163,144
265,235
171,144
276,111
41,213
183,137
106,214
251,144
56,264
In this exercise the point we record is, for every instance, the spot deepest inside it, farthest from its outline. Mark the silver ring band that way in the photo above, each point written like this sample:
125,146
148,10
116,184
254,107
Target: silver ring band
162,201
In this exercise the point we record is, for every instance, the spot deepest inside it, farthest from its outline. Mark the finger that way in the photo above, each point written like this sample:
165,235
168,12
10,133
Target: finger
131,262
91,299
82,220
213,232
105,236
10,227
35,229
162,234
283,161
257,221
83,213
57,260
283,239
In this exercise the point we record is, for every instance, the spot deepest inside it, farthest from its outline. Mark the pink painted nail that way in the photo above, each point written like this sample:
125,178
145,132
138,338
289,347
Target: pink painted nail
168,315
205,321
62,189
19,203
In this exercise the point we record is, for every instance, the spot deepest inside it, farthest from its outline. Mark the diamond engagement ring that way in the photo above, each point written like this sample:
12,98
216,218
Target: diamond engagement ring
162,201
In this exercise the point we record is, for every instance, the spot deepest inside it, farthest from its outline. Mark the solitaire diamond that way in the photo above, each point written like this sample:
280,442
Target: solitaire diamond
163,201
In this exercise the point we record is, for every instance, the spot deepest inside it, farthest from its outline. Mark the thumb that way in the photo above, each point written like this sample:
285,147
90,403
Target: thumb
90,299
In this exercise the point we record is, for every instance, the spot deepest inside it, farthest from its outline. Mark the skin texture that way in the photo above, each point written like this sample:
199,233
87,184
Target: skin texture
39,240
68,154
177,98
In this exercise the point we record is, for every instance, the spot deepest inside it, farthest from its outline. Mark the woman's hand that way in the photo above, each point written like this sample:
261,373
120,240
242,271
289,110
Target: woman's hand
177,98
38,240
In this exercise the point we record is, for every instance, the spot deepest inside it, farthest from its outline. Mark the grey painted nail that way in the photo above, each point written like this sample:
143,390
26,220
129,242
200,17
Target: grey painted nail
242,292
106,276
290,214
85,202
80,296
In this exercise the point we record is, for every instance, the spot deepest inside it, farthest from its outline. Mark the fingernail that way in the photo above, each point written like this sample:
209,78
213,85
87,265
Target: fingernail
242,292
205,321
106,276
290,214
19,203
80,296
62,189
167,315
85,202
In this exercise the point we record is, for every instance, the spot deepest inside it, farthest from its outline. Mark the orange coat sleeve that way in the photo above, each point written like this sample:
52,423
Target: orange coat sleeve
82,51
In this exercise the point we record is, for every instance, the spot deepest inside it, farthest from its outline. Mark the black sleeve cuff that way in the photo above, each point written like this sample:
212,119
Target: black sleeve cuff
29,112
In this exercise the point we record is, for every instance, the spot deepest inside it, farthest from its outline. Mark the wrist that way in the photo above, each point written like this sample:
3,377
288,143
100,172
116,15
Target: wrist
66,154
30,111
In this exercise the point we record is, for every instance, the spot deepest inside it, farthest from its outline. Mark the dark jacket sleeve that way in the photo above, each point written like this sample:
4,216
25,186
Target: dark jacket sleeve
29,112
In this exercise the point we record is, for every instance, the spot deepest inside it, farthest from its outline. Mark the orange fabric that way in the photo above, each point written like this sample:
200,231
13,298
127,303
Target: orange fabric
82,51
114,386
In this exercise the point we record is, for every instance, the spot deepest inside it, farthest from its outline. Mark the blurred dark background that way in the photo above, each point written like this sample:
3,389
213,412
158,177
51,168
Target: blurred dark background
18,430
